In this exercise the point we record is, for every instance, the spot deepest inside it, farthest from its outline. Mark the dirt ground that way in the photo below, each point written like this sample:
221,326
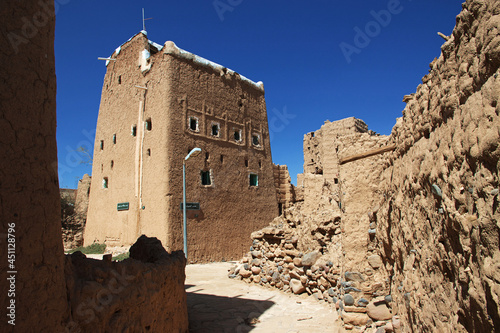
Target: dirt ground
219,304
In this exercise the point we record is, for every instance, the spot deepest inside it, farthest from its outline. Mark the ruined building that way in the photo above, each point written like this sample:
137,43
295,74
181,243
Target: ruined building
158,103
401,232
324,244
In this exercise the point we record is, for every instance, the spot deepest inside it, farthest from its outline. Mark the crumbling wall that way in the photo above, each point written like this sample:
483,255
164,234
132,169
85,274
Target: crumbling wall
285,191
82,197
438,221
360,195
324,244
318,154
32,287
140,294
73,227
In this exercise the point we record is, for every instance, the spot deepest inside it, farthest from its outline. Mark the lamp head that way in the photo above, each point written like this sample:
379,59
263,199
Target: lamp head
193,152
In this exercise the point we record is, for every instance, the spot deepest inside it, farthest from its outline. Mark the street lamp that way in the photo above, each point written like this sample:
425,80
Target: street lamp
193,152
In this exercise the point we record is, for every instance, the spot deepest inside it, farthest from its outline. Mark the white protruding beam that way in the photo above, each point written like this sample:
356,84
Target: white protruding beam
139,87
107,59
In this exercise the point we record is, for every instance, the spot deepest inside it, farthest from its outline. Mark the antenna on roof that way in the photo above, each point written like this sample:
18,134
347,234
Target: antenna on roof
144,20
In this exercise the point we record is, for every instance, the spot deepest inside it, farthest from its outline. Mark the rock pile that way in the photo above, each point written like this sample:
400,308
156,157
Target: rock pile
302,254
292,255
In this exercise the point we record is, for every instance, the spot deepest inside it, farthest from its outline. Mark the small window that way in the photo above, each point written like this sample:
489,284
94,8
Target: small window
215,129
102,144
112,164
105,182
193,124
256,140
207,156
114,139
120,79
260,164
148,152
246,163
134,130
221,159
206,178
336,180
149,125
254,179
237,135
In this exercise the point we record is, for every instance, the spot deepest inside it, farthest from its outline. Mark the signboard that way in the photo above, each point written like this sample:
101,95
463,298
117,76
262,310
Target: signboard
122,206
191,206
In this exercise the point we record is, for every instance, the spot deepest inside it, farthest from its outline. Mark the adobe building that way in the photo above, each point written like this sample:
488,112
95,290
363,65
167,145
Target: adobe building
158,103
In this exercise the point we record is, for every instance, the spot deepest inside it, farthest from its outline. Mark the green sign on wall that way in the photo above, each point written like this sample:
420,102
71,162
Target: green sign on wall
122,206
191,206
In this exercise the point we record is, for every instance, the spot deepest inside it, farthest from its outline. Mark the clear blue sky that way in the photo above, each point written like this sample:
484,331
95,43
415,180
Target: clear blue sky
313,61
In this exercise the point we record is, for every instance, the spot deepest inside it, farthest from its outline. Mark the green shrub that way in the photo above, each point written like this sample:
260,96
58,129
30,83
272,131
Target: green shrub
95,248
121,257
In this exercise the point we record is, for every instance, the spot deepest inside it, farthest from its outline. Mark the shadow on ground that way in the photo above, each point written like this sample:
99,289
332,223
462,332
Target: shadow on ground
212,313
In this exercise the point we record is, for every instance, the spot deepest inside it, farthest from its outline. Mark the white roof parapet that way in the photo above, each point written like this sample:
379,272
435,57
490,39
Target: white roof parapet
171,48
119,48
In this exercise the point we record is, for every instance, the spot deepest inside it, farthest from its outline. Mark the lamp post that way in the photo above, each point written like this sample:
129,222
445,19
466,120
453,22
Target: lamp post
193,152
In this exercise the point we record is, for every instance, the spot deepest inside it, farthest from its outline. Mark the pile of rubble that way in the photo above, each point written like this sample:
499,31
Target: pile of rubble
288,255
302,254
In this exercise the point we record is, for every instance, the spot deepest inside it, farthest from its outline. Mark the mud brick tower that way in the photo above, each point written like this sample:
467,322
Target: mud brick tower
159,102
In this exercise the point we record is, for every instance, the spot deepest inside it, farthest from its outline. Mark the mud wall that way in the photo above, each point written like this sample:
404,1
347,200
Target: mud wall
438,221
359,197
285,191
36,294
140,294
29,190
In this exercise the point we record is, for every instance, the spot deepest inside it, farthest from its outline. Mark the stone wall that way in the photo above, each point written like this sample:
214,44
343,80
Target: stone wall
140,294
29,190
438,221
